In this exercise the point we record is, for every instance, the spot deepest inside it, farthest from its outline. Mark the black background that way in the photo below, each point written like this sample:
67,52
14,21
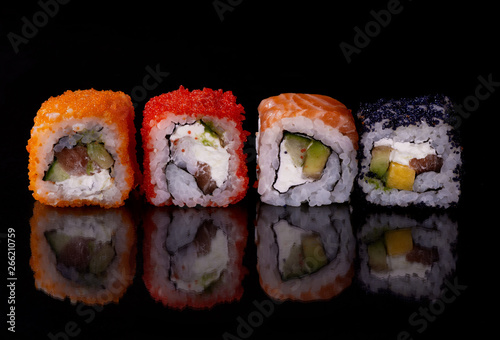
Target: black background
256,50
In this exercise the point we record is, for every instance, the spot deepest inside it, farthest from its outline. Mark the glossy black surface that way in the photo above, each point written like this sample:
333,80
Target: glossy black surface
258,50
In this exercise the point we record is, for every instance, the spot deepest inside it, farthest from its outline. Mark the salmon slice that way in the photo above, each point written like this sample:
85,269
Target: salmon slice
429,163
204,179
313,106
74,161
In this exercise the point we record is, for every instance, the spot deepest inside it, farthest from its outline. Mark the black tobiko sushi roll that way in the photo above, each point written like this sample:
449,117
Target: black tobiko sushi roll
409,152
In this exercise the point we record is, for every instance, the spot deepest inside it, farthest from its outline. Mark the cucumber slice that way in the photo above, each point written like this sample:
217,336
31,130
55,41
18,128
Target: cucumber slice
101,258
57,240
98,154
210,128
211,133
56,173
296,146
293,267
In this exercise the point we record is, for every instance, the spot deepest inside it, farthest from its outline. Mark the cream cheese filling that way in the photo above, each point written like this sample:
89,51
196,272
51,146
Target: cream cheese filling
196,273
87,186
193,144
288,174
403,152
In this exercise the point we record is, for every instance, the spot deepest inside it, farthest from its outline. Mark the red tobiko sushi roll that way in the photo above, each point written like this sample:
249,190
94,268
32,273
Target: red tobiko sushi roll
193,258
193,149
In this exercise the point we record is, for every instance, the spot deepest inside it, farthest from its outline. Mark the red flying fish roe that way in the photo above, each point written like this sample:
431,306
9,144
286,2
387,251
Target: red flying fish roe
196,104
163,290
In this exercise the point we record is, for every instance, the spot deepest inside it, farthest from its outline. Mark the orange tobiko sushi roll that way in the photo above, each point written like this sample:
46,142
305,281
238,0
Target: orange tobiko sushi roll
84,254
193,149
82,150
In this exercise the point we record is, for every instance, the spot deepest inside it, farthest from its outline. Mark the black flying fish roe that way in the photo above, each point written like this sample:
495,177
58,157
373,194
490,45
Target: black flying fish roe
407,111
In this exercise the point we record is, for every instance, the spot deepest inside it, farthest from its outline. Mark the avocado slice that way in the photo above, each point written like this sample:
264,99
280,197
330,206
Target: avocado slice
305,258
315,160
314,253
380,160
377,256
98,153
296,146
56,173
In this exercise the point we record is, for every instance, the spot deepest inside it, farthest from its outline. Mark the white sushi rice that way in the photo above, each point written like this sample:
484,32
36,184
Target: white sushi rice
102,187
436,189
335,184
182,188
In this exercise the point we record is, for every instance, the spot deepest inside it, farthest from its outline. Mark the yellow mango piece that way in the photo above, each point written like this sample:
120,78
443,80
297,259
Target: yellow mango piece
400,177
398,241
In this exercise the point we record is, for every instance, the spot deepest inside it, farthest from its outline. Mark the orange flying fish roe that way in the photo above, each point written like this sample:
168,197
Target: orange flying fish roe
110,107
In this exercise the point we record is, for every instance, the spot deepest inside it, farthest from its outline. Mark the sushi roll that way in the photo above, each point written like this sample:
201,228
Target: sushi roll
409,152
84,254
405,256
306,253
193,149
193,257
82,150
306,150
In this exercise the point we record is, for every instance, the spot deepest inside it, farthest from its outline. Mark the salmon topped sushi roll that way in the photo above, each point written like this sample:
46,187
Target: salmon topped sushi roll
193,149
304,253
82,150
306,150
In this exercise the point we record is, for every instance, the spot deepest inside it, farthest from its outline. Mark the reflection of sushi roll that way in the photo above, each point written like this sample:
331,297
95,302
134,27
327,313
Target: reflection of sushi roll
302,254
193,257
85,254
409,152
193,149
306,150
82,149
406,257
